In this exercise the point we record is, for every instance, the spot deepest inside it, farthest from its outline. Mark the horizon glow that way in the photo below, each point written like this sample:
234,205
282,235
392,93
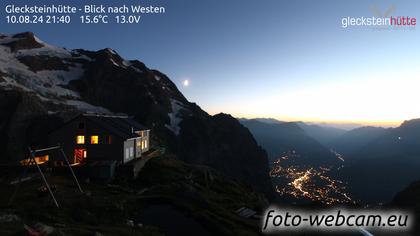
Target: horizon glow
364,102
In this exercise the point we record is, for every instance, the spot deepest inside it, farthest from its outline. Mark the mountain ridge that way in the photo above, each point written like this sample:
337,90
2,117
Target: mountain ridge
279,138
43,85
352,141
395,158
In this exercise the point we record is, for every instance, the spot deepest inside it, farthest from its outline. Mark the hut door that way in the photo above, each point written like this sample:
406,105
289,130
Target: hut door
80,155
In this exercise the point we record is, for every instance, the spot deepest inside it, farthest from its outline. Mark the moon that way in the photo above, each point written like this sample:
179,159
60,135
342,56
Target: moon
186,83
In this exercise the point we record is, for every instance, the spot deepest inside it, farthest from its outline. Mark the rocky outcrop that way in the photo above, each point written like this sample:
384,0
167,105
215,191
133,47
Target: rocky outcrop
221,142
25,40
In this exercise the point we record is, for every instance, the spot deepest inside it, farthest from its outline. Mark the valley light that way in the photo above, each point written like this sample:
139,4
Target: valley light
186,83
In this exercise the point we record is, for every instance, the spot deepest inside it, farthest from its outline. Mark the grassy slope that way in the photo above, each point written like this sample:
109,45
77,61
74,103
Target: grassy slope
197,192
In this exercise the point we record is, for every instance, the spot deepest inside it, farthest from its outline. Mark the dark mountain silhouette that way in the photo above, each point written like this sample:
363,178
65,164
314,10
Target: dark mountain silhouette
42,85
323,134
269,120
387,164
352,141
400,144
288,136
408,199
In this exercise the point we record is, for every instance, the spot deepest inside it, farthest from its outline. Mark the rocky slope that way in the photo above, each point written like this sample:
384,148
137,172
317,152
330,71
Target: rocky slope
169,198
387,164
42,85
409,199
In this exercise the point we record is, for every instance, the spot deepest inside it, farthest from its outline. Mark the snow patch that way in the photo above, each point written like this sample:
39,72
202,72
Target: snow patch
47,50
75,72
8,39
47,84
83,57
39,40
86,107
175,116
111,51
137,69
126,63
113,62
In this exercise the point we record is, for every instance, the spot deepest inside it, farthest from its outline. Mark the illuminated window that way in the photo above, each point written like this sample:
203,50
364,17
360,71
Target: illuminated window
145,143
94,139
80,139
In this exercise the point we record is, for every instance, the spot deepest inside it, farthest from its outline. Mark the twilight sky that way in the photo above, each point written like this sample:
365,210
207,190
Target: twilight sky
289,59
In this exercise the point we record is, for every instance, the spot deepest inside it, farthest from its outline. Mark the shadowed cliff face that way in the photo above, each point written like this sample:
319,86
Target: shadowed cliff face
409,199
8,104
42,85
222,142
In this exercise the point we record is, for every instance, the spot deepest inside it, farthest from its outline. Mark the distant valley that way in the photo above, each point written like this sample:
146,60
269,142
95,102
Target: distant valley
372,164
